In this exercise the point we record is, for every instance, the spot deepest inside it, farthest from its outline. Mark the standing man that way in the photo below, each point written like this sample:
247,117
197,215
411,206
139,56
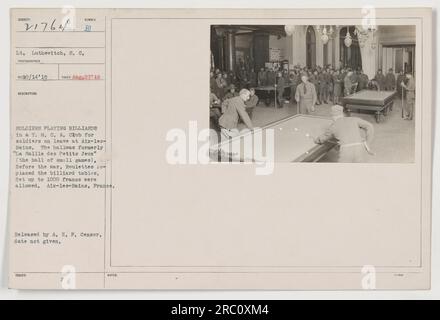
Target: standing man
306,96
410,88
348,85
337,86
348,132
400,78
252,78
323,93
363,80
234,109
295,80
380,79
280,85
315,81
262,77
329,83
390,80
271,77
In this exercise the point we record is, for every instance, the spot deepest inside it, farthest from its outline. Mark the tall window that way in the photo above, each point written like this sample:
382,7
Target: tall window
351,56
310,47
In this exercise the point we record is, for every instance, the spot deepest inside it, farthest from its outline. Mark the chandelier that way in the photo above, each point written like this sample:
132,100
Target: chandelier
362,35
290,29
348,39
326,33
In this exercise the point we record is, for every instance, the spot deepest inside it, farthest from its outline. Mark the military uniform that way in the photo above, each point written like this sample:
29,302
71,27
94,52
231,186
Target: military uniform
400,79
294,82
306,97
390,81
280,90
233,109
348,85
363,81
251,104
314,80
329,83
252,79
230,95
410,98
323,92
337,86
271,78
380,79
262,78
347,130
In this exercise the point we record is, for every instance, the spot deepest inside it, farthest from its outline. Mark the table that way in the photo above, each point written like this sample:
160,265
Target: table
371,100
293,141
268,93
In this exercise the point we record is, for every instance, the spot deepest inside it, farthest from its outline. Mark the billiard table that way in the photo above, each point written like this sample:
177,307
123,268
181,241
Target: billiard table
268,93
293,141
370,100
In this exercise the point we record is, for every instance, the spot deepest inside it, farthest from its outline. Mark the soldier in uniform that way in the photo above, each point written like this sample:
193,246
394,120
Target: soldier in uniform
348,131
306,96
262,77
337,86
295,80
348,84
281,83
271,78
390,81
380,79
252,78
400,78
315,81
231,92
234,109
221,84
410,88
329,82
363,80
323,93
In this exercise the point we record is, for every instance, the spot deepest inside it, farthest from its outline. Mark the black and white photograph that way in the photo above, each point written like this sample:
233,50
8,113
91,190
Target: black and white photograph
331,93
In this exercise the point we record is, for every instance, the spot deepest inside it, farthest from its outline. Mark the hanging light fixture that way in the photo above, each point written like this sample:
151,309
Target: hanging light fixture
290,29
324,36
348,40
326,33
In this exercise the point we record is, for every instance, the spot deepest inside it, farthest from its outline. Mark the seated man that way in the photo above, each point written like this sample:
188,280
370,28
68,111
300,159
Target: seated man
252,102
234,109
214,111
231,93
347,130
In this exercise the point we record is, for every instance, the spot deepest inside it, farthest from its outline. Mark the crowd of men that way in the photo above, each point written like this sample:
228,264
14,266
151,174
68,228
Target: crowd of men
305,86
330,83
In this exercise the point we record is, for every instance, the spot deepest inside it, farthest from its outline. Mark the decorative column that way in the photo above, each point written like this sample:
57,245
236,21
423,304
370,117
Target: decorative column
319,48
221,50
260,44
230,49
337,48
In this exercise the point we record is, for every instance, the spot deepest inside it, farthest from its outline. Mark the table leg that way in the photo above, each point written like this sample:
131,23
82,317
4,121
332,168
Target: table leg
378,113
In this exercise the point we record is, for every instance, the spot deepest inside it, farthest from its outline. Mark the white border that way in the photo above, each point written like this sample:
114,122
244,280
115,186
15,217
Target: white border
6,293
